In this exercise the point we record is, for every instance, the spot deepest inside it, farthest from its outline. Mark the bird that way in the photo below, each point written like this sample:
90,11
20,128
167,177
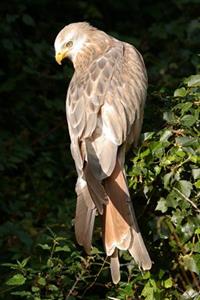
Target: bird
104,107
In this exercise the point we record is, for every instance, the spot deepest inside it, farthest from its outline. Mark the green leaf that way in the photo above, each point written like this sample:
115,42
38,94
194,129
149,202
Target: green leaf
64,248
188,230
44,246
35,289
197,231
184,107
180,153
162,205
182,92
166,135
166,179
50,263
41,281
185,187
191,264
193,80
53,287
177,217
145,153
146,275
28,20
148,135
157,170
148,292
188,120
197,184
170,117
168,283
195,158
17,279
151,291
190,294
173,199
157,148
95,251
25,261
186,141
196,247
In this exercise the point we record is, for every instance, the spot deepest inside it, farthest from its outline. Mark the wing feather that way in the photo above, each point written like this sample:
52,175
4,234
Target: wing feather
105,105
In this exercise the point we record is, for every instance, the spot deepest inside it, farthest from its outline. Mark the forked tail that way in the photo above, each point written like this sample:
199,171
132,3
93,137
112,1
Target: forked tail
121,230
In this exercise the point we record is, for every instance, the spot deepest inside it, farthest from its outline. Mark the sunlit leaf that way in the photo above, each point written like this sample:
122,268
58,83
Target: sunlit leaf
41,281
166,178
148,135
166,135
197,184
168,283
192,263
182,92
185,187
17,279
193,80
170,117
64,248
186,141
188,120
35,289
44,246
162,205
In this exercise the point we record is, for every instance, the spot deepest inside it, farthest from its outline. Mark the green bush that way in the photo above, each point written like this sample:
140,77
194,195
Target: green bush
166,170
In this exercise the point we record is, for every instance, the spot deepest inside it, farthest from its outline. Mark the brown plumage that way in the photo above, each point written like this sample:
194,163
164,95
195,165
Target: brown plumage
104,106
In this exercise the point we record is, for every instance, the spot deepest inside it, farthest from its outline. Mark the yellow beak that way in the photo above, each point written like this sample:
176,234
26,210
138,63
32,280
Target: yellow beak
60,56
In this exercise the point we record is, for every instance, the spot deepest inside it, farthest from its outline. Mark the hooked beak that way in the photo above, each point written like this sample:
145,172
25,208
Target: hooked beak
60,56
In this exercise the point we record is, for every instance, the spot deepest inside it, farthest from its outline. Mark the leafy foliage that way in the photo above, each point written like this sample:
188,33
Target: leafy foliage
39,256
166,169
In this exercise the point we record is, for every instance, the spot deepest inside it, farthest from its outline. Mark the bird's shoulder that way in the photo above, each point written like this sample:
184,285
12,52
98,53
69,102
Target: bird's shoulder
95,78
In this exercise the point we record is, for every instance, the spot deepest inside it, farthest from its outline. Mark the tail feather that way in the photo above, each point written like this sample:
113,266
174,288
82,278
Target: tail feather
116,231
137,248
96,189
139,252
84,219
121,230
115,267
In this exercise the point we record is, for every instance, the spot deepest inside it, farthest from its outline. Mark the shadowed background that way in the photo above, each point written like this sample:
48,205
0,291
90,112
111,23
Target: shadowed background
37,198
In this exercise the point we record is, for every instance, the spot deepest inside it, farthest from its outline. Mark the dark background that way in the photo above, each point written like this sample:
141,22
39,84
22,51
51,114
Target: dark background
38,174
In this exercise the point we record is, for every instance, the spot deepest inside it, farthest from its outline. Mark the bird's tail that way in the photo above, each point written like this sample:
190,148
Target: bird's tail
91,197
84,219
120,228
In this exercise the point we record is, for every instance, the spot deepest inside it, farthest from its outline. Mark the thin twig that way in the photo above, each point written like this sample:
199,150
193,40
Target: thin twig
73,287
183,250
95,279
187,199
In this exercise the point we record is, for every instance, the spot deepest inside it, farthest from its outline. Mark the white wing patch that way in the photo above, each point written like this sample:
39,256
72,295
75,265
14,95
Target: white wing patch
107,128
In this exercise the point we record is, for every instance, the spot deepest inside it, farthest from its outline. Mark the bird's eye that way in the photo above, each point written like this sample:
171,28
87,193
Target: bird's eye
69,44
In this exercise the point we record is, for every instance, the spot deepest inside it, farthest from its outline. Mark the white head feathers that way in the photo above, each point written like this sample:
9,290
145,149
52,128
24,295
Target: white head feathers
77,34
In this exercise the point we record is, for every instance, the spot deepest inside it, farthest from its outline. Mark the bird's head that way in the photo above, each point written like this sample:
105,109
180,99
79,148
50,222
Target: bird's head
71,40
